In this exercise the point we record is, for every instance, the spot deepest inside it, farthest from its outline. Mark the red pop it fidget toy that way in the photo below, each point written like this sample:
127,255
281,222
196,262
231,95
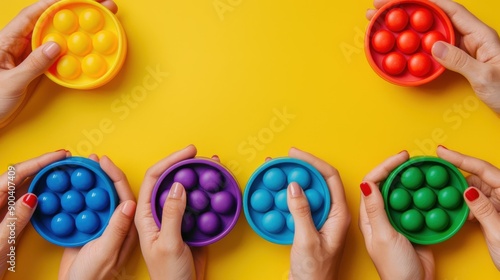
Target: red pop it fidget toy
399,41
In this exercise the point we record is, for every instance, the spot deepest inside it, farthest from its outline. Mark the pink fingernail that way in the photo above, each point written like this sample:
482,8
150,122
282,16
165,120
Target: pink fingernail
295,190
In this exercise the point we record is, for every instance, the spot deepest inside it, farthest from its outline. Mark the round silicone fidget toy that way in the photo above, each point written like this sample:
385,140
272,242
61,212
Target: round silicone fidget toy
76,200
92,40
399,41
213,199
423,199
265,198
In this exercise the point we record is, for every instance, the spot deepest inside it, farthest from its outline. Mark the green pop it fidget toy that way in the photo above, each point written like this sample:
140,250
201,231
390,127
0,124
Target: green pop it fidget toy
423,200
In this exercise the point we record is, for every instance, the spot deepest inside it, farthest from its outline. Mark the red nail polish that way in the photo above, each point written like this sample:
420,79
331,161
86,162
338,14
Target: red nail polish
442,147
472,194
30,200
365,189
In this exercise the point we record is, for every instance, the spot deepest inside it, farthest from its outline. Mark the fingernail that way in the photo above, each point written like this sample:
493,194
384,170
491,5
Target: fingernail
176,190
440,50
295,190
129,209
62,150
51,50
215,157
472,194
365,189
30,200
403,151
442,147
268,159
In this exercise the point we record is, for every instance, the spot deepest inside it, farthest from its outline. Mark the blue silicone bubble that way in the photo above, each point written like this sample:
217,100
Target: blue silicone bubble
76,200
265,198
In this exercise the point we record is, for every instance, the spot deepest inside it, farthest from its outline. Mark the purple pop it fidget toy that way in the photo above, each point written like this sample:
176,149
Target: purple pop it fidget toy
213,199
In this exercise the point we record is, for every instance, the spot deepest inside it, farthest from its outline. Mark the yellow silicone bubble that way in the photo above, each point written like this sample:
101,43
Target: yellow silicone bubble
91,20
94,65
79,43
105,42
65,21
57,38
68,67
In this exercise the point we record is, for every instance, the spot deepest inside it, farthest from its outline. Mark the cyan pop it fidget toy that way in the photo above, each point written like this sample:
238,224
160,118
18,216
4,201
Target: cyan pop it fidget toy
399,41
75,201
213,199
423,199
92,40
265,198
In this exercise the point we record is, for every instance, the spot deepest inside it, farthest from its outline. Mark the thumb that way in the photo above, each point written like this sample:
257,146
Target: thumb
118,228
456,60
483,210
301,212
173,211
36,63
374,209
17,217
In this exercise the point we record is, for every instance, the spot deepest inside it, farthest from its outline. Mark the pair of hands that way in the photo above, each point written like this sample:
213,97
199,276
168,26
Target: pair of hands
101,258
393,255
314,254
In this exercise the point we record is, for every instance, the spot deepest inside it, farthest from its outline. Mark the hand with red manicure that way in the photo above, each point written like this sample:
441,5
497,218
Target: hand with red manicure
394,256
18,179
317,254
20,68
482,197
477,56
165,253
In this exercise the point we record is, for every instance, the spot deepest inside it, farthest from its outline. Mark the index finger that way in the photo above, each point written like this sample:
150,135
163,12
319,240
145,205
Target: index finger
331,175
382,171
484,170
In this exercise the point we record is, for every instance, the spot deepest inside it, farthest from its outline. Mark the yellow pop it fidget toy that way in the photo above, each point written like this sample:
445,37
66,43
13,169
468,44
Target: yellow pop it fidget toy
92,40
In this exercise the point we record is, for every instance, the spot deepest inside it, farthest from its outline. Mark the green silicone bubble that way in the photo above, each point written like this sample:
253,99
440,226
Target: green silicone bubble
436,176
412,178
424,198
437,219
400,199
412,220
449,198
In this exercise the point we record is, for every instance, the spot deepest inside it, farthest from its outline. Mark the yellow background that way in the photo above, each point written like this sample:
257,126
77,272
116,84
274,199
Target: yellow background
228,75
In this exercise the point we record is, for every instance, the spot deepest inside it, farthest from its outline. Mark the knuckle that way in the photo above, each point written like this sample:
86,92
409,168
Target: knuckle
36,63
483,209
301,209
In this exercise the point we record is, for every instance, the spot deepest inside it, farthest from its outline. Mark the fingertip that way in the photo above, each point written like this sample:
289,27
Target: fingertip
295,190
370,13
94,157
110,5
128,208
51,50
268,159
30,200
365,189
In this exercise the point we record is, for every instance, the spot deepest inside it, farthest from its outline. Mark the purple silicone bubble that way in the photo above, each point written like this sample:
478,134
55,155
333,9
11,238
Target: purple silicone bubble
210,180
163,197
187,177
209,223
188,222
222,202
198,200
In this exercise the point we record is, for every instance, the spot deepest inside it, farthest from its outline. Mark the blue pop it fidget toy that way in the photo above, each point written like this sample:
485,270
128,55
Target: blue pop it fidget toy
265,198
76,199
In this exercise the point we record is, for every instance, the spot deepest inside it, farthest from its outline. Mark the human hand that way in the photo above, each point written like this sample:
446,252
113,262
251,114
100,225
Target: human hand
16,182
165,253
19,67
477,56
482,197
102,258
317,254
393,255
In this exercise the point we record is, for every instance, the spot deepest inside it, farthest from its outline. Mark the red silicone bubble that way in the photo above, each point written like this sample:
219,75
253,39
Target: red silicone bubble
396,19
430,38
419,64
408,42
422,20
394,63
383,41
416,25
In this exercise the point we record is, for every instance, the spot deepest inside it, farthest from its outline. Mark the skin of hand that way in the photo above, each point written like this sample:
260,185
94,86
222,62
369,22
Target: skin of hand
20,68
482,197
392,253
103,258
477,56
165,253
20,177
317,254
